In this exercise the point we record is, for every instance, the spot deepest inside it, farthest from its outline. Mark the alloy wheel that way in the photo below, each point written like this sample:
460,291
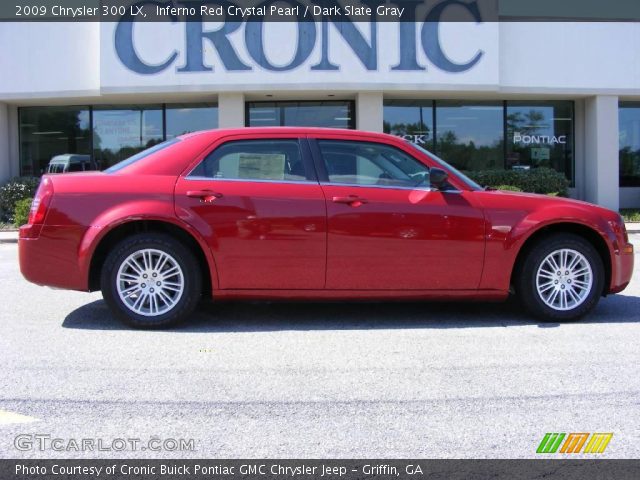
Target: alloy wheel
564,279
150,282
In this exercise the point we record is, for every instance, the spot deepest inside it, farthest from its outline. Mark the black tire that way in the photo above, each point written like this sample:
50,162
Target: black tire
525,278
185,303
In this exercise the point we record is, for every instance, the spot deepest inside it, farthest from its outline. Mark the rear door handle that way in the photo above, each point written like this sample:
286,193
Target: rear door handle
351,200
205,196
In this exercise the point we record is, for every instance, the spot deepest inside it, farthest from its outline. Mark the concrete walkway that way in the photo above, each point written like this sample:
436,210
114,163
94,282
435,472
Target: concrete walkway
8,236
11,236
633,227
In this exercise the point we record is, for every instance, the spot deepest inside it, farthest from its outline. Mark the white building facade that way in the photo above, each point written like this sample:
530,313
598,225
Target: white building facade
481,95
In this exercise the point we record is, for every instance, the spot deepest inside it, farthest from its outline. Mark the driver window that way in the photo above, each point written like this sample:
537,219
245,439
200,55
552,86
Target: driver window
373,164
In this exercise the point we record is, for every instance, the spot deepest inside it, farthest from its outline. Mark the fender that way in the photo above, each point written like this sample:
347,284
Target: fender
508,240
152,210
540,218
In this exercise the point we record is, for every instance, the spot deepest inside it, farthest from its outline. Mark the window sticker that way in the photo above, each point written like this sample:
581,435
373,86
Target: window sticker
261,166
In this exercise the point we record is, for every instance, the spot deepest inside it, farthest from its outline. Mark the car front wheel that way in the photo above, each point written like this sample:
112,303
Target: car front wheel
151,280
561,278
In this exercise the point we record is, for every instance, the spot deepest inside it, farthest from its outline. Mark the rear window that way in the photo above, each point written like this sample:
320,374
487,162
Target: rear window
140,155
55,168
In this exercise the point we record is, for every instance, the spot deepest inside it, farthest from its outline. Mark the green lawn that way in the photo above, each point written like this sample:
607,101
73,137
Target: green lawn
630,214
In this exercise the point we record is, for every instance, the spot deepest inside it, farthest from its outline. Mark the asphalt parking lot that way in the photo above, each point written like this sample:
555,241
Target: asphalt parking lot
311,380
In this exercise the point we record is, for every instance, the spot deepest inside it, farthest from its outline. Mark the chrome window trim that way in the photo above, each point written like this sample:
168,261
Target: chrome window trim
310,182
250,180
424,189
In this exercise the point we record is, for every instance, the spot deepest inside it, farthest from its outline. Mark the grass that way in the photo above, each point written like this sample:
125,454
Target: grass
630,214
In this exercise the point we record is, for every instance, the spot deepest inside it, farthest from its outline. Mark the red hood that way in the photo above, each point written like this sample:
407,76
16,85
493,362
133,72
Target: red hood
549,200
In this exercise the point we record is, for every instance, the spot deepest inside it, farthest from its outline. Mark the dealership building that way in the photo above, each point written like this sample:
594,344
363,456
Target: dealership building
479,94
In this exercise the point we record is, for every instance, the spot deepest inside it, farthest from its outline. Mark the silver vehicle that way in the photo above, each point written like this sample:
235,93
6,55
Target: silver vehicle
70,162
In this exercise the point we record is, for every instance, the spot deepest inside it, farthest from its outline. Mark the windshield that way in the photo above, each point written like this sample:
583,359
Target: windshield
140,155
473,185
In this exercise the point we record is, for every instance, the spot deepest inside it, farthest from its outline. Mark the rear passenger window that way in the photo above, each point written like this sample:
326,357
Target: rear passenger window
274,160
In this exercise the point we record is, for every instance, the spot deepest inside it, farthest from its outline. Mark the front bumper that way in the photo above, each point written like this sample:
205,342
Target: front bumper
622,270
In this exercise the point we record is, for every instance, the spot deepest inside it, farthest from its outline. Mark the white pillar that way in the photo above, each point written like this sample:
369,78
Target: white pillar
14,140
601,151
230,110
579,152
5,158
369,107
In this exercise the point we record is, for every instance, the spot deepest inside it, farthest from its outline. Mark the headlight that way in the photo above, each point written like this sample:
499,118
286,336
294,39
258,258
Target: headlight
619,228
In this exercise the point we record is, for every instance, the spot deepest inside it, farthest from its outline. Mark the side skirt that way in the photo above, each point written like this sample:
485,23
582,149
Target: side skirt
399,295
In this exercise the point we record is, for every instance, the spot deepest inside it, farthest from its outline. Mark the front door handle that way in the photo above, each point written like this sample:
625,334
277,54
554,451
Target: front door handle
205,196
351,200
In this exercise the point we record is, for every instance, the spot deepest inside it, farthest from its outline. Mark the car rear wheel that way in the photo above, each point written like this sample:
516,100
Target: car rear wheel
561,278
151,280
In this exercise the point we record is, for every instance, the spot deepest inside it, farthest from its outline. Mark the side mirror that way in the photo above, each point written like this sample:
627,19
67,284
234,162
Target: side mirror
438,177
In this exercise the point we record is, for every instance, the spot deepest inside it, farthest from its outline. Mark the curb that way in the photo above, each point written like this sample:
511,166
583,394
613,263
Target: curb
632,227
8,236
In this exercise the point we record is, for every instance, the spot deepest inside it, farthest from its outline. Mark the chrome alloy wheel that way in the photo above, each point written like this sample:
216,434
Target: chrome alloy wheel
150,282
564,279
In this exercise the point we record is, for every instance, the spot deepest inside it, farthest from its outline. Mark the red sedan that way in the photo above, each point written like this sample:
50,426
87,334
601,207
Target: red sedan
315,214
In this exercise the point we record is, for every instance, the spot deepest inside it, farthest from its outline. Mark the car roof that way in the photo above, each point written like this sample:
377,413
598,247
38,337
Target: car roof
171,161
221,132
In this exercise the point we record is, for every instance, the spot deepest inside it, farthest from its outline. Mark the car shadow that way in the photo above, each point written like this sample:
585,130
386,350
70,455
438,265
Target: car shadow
274,316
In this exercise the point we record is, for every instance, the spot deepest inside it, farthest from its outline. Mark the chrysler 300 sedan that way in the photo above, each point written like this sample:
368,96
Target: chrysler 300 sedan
306,213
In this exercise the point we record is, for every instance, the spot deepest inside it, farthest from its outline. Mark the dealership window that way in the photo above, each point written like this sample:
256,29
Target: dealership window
540,134
121,132
629,143
333,114
186,118
51,131
470,135
412,120
107,134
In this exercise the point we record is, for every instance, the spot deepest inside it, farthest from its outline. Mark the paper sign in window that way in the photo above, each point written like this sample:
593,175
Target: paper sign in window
540,154
261,166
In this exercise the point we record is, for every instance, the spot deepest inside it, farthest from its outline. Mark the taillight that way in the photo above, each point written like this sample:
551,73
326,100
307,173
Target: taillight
41,202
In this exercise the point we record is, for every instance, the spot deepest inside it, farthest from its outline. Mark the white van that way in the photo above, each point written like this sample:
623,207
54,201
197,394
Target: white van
70,162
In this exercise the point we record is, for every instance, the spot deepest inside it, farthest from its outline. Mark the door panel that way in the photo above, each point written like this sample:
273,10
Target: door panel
403,239
387,229
264,234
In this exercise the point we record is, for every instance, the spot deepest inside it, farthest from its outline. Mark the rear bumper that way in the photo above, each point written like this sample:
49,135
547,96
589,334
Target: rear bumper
52,259
622,270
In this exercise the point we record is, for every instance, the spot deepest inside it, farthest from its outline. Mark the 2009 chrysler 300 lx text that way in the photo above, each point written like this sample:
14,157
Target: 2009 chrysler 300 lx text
312,213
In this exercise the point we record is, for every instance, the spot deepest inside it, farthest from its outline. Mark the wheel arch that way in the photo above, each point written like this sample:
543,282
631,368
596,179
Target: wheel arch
588,233
134,226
